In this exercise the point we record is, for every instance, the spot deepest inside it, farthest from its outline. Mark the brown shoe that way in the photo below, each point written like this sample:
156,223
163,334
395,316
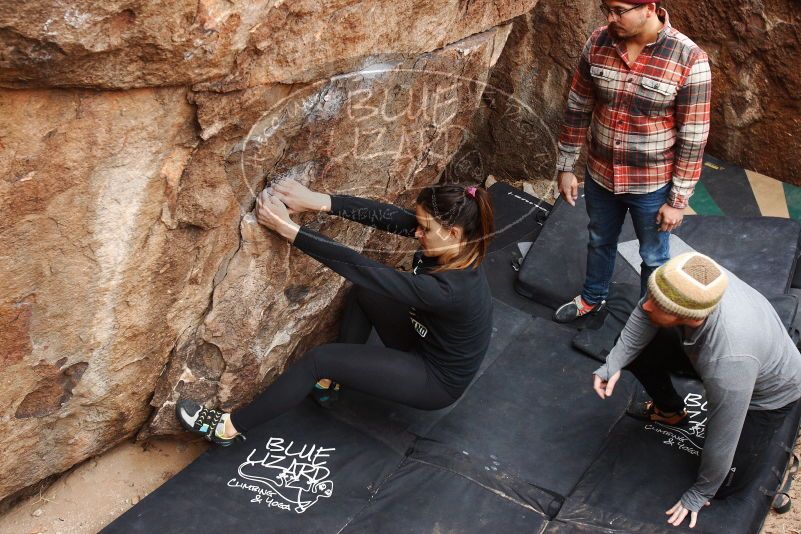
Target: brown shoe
648,411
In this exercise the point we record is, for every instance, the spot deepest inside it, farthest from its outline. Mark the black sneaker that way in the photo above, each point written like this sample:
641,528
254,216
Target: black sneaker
325,397
574,309
199,420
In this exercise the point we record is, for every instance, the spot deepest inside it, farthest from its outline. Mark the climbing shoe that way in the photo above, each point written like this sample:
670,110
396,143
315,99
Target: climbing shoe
325,396
576,308
647,411
204,421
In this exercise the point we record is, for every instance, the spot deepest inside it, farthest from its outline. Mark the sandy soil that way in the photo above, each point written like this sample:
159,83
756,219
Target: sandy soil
789,523
98,491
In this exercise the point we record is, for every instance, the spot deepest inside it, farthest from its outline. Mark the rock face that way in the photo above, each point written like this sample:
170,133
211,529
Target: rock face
124,44
754,48
86,269
756,107
514,133
133,270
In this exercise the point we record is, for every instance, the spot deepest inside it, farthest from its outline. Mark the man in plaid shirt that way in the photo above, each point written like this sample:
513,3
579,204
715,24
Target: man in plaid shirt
642,89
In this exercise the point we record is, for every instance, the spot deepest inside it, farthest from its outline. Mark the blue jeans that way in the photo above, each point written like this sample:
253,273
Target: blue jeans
607,212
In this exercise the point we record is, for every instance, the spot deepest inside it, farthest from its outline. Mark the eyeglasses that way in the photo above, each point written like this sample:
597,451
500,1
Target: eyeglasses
617,12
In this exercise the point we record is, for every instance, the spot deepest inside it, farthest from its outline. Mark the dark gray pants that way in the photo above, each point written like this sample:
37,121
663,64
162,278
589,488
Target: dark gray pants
663,356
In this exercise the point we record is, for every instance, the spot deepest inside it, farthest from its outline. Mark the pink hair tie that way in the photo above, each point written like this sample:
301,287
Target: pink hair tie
471,191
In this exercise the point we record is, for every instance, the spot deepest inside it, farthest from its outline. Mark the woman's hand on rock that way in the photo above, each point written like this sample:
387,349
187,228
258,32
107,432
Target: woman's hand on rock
273,214
299,198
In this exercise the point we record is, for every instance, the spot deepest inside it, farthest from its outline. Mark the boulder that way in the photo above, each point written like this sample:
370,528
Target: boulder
93,290
226,44
514,134
134,271
753,47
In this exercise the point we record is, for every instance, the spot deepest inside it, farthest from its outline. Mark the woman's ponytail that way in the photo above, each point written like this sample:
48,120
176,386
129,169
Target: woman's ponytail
486,221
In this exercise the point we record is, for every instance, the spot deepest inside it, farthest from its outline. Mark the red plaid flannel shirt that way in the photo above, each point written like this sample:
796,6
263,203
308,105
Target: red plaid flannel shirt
648,121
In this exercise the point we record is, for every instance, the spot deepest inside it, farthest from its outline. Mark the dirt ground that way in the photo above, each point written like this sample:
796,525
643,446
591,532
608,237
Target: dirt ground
789,523
98,491
95,493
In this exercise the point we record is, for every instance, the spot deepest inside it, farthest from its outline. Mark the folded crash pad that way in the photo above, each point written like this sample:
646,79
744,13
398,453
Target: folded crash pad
765,254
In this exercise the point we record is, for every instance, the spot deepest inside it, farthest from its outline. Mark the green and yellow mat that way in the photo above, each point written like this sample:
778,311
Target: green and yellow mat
725,189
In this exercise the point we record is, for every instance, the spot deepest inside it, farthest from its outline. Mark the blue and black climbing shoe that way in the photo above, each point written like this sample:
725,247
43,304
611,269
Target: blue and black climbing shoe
325,396
204,421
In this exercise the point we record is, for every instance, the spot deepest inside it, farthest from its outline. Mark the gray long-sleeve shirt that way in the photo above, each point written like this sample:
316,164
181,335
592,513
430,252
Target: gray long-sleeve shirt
746,360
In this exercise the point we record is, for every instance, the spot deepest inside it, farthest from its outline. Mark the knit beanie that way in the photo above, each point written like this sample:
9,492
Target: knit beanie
688,286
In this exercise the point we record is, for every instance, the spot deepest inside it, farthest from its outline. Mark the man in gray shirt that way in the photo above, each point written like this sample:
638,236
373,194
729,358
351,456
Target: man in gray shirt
701,319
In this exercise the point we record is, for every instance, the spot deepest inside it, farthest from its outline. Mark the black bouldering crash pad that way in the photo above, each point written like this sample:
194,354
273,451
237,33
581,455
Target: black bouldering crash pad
528,448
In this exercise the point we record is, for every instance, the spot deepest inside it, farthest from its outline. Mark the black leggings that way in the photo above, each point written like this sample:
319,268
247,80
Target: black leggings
396,372
665,355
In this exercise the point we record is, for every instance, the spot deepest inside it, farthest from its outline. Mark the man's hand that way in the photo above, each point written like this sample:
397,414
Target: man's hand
272,213
299,198
679,512
568,187
605,388
669,218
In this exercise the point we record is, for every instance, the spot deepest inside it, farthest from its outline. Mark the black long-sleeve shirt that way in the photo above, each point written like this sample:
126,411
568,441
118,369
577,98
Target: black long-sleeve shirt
451,310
